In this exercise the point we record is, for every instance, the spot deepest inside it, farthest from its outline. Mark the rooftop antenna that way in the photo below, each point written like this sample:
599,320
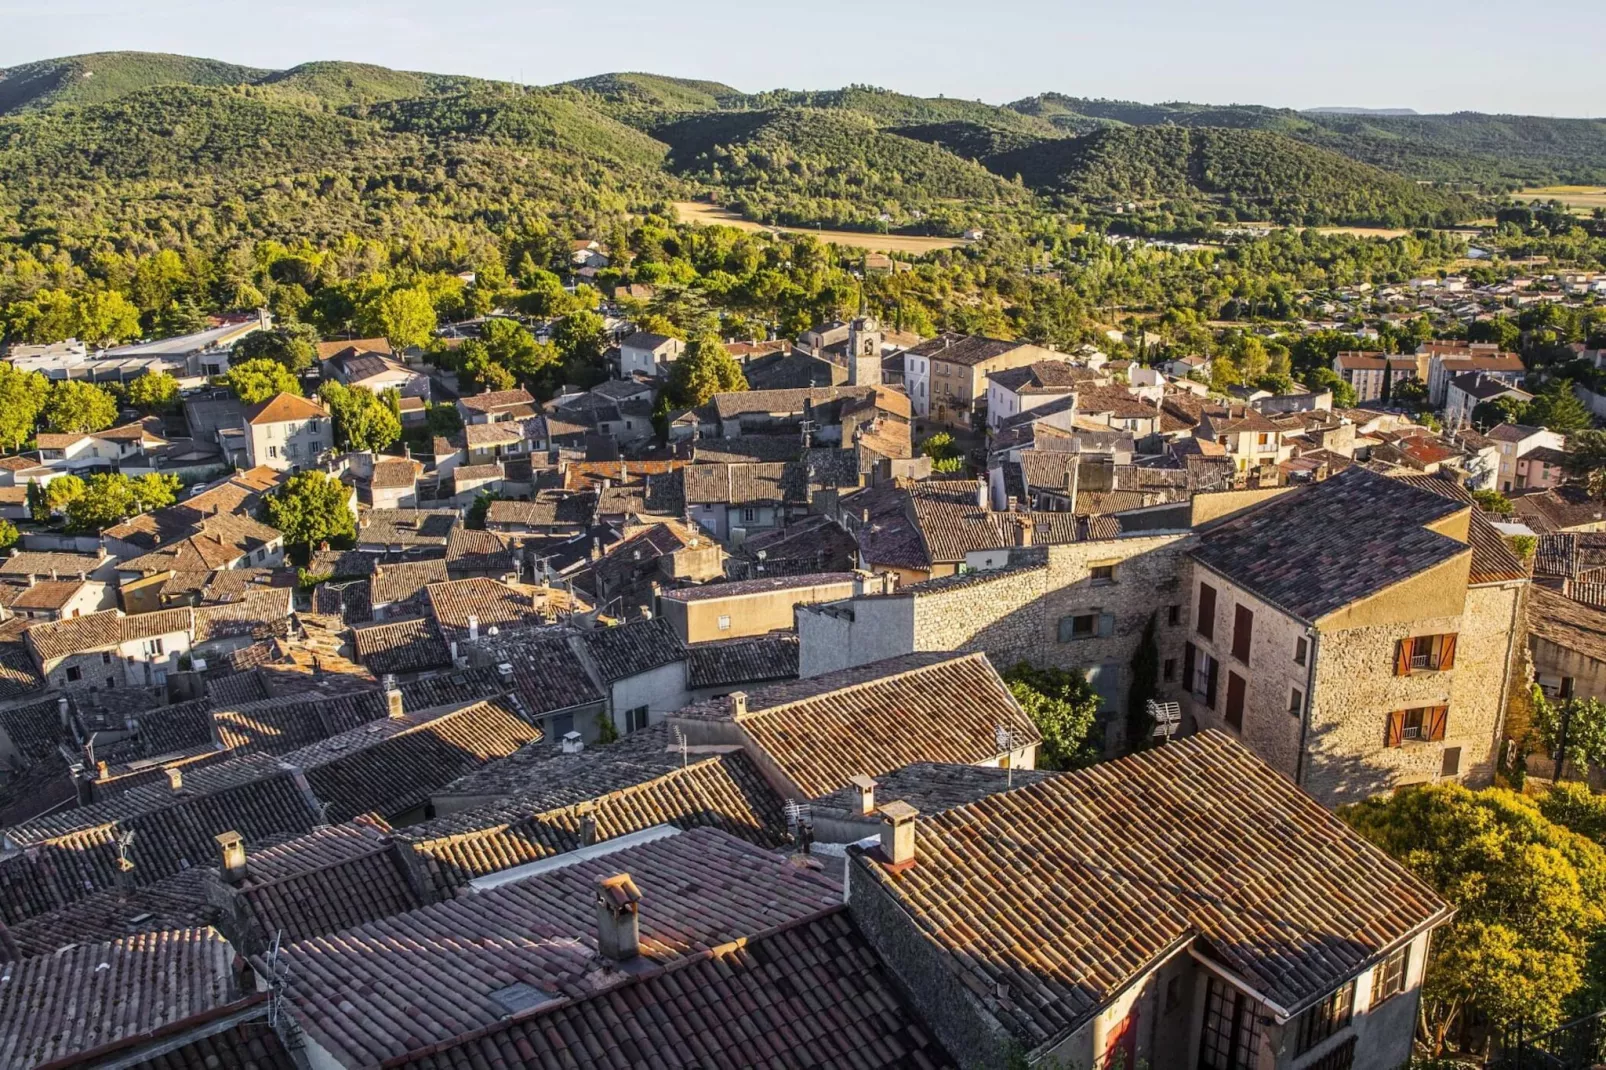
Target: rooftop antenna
682,745
1167,716
1006,745
125,840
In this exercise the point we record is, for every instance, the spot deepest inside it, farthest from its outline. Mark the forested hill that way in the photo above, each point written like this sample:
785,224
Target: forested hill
177,145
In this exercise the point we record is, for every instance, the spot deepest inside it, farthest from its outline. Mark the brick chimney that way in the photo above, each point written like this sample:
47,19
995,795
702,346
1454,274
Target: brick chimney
618,924
1023,530
898,834
866,786
231,856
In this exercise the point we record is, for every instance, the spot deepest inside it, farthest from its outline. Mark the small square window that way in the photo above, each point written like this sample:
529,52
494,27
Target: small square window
724,623
1296,702
1173,615
1102,573
1451,766
1170,670
74,673
106,658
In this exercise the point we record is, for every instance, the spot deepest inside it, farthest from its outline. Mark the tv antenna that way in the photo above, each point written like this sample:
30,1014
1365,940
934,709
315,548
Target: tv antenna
1167,717
681,745
125,840
1005,741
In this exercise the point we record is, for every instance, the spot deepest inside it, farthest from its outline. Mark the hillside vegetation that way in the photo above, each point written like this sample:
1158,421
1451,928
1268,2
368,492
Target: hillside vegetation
1255,173
103,76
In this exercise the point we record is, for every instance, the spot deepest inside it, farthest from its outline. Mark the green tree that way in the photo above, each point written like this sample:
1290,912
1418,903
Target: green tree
255,381
946,457
1409,395
107,500
38,506
1530,899
1502,410
22,397
1573,728
362,421
1064,709
514,348
77,407
8,535
1492,501
1559,409
62,492
1587,462
405,317
581,337
294,345
104,317
705,368
311,507
155,490
153,392
1343,393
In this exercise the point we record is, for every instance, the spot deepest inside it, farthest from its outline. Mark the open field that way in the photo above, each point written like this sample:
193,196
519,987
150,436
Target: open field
698,212
1364,232
1586,198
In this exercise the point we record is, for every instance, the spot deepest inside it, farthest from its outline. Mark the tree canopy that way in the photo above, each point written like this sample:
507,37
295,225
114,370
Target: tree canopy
311,507
76,407
362,420
1065,710
255,381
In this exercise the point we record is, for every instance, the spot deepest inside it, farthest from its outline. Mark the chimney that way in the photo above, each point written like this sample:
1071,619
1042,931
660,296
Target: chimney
175,779
572,743
898,834
866,786
393,698
473,627
231,856
1023,530
504,673
64,712
981,493
738,704
101,770
32,579
588,822
618,924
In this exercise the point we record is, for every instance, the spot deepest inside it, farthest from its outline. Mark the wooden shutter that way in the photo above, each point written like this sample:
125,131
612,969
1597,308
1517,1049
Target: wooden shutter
1447,651
1187,667
1243,633
1106,624
1207,611
1434,721
1210,685
1235,700
1394,734
1402,658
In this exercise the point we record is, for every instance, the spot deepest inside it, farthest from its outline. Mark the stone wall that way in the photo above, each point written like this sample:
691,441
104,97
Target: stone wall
1554,663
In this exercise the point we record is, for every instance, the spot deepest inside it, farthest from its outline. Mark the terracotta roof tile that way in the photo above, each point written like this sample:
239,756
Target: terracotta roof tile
283,407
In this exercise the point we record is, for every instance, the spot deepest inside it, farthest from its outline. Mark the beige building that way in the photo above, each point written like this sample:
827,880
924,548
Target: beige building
107,651
1359,635
750,607
1567,642
1366,372
946,376
287,432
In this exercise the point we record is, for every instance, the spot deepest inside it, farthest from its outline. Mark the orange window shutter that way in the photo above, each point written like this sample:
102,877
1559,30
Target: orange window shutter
1447,651
1437,718
1402,658
1395,734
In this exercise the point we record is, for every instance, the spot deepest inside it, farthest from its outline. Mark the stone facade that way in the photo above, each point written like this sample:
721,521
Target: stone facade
1331,737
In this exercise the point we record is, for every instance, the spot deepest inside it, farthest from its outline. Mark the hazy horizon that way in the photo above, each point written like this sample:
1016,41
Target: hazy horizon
1239,52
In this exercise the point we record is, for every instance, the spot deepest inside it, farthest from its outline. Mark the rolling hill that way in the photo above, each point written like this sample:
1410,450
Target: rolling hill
101,76
1257,173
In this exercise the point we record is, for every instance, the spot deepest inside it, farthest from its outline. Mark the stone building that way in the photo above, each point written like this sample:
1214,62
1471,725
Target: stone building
1359,635
1567,641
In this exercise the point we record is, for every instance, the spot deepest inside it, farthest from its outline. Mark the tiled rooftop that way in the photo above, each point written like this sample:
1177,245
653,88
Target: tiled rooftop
762,659
701,889
630,649
1057,894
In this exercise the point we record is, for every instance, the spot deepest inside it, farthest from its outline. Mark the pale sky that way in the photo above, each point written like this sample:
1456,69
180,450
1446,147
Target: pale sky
1545,57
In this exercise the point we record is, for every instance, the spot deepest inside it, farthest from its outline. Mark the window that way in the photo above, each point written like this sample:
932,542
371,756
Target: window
636,719
724,623
74,673
1101,574
106,658
1235,701
1296,702
1243,632
1173,615
1424,653
1169,672
1086,625
1451,765
1301,651
749,516
1231,1035
153,647
1388,980
1201,680
1421,724
1326,1018
1206,624
1340,1058
560,726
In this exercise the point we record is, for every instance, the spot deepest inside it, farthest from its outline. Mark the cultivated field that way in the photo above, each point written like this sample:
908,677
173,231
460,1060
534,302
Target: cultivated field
1585,198
698,212
1364,232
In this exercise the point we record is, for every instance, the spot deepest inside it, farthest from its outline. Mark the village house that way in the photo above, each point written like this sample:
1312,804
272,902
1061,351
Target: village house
945,378
1358,634
496,406
371,370
1567,642
749,607
1017,390
647,354
1449,359
1465,392
287,432
1367,372
108,650
1515,441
